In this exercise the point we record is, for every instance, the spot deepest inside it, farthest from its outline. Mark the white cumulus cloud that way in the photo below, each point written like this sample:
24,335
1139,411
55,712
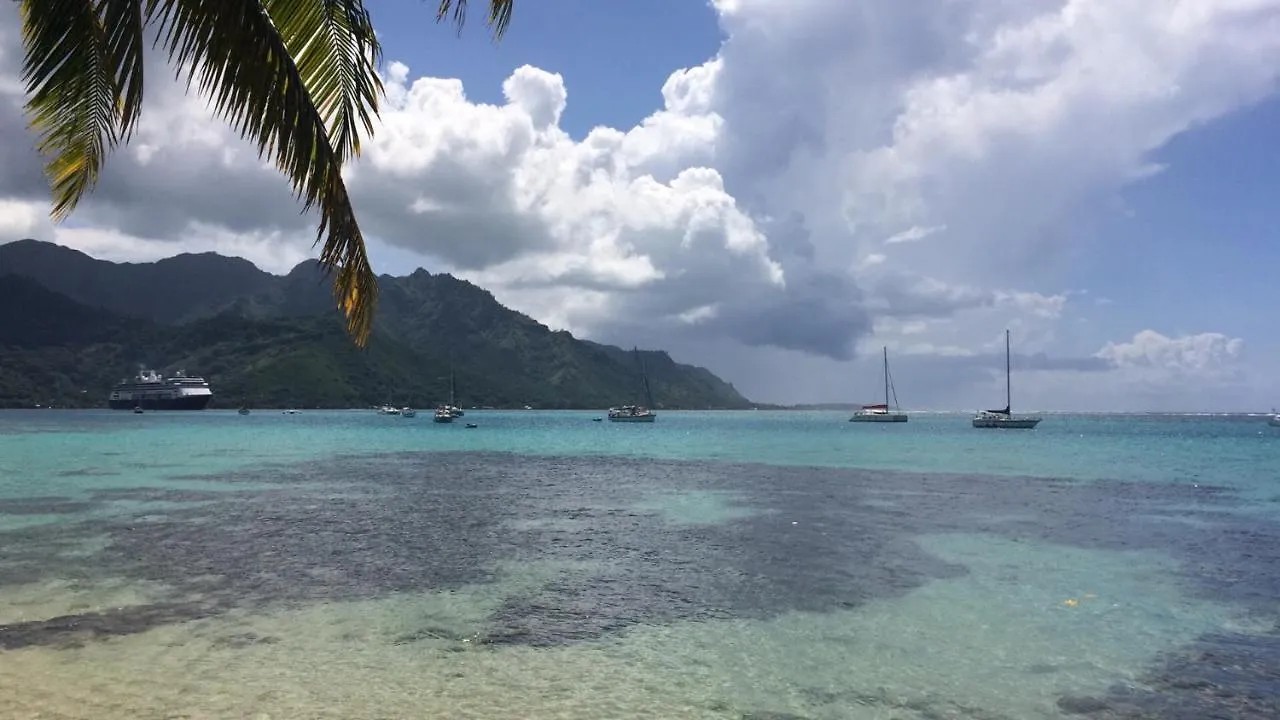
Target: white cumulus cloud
1204,352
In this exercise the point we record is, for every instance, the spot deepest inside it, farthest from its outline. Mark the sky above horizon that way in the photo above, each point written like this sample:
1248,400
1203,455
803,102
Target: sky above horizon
775,189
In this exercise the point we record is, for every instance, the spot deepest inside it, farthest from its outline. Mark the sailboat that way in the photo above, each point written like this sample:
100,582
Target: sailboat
636,413
1005,418
452,407
881,413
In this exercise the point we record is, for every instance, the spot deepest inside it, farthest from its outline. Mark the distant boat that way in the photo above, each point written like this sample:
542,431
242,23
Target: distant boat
471,425
137,411
243,411
290,412
636,413
1274,420
442,415
880,413
408,412
388,410
1004,419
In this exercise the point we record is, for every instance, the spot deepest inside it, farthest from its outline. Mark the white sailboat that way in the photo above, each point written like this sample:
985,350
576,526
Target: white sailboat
636,413
1004,419
452,407
881,413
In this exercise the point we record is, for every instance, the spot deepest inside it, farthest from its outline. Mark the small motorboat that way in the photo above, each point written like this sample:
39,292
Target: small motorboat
137,410
471,425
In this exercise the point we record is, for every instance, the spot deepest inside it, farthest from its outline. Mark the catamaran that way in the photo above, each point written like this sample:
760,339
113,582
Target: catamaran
880,412
1004,418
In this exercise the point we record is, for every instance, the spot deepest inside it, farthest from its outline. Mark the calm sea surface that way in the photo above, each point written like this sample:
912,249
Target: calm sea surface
771,566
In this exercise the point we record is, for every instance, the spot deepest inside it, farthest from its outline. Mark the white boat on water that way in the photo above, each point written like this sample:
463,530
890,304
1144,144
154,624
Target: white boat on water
1005,419
881,412
632,413
408,412
442,415
150,390
1274,419
636,413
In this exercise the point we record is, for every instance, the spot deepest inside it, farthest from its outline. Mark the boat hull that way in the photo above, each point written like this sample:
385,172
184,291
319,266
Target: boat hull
1006,423
633,418
186,402
881,418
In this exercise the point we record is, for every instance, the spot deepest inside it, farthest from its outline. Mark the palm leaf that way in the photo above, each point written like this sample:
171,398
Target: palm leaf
499,14
124,23
334,46
83,78
243,62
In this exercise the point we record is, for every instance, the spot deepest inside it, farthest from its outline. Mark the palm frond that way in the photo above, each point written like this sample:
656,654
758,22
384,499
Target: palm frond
498,20
334,46
83,73
240,60
124,24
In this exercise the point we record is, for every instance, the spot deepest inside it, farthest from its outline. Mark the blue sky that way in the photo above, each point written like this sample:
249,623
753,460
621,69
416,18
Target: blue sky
777,188
614,56
1201,247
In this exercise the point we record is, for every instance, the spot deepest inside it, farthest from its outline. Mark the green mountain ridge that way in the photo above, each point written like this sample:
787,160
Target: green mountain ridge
72,326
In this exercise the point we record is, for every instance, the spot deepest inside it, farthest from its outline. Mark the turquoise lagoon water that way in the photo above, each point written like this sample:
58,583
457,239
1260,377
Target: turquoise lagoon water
780,565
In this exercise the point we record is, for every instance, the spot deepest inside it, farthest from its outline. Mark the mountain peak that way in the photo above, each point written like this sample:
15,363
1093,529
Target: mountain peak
307,268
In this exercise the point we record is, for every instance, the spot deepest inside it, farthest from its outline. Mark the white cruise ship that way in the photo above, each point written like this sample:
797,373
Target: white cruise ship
150,391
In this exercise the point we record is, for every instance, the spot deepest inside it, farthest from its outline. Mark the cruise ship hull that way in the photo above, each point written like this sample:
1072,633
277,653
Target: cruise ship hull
186,402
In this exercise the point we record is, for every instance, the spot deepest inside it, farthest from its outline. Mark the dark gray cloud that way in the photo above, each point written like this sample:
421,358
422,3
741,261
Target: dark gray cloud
21,169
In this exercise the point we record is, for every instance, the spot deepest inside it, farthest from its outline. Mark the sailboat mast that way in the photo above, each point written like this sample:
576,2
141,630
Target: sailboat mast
1008,381
453,382
644,378
886,377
